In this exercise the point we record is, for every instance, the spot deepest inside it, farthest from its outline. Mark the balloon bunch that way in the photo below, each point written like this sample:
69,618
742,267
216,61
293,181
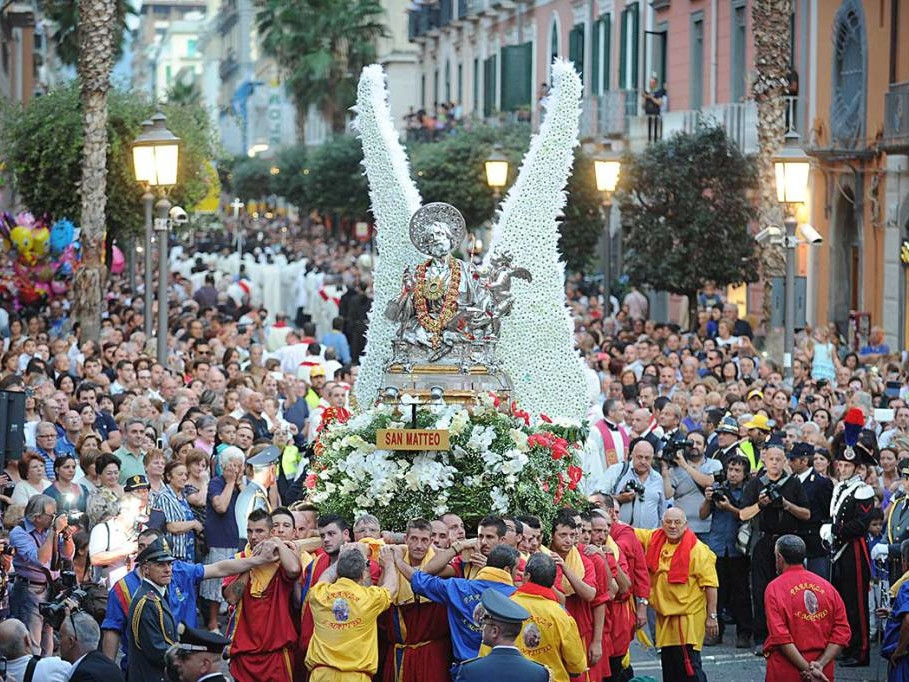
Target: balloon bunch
40,258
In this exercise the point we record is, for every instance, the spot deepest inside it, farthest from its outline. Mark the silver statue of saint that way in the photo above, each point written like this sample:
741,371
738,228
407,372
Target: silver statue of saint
446,304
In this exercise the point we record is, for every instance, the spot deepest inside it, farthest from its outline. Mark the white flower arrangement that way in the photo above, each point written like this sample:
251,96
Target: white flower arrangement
394,199
537,341
496,463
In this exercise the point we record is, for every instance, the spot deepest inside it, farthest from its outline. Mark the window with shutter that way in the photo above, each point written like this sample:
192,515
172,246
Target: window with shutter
517,76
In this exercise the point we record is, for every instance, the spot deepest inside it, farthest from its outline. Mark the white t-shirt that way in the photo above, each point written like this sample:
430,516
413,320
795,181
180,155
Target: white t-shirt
105,537
49,669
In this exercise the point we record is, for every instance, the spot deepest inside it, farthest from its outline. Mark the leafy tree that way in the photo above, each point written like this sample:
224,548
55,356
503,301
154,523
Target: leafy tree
685,211
43,146
452,170
250,179
65,14
292,180
336,182
322,45
184,93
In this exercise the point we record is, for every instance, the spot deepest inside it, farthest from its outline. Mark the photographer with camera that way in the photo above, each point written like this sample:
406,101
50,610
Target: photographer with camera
40,541
778,502
686,475
721,505
637,487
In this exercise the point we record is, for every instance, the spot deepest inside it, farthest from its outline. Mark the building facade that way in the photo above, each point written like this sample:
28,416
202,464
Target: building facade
859,141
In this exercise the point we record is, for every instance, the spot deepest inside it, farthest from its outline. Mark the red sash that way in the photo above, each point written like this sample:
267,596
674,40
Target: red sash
609,442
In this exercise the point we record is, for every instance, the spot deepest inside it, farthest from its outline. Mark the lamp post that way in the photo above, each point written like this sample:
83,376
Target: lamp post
156,155
792,169
607,167
496,166
236,204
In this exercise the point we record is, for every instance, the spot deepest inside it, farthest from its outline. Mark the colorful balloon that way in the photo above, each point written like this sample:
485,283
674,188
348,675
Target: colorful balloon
61,235
59,288
45,272
117,261
21,236
40,237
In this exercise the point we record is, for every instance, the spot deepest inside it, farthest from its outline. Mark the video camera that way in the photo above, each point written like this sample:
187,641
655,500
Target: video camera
635,487
672,449
53,612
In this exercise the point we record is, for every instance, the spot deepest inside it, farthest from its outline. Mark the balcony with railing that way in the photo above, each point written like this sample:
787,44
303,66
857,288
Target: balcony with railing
608,115
739,119
896,119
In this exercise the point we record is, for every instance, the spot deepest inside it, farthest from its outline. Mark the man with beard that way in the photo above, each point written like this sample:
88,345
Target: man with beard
415,627
262,628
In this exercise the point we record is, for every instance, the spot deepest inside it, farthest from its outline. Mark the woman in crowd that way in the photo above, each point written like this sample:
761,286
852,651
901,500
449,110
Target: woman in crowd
172,512
206,427
70,496
104,504
154,462
180,445
32,478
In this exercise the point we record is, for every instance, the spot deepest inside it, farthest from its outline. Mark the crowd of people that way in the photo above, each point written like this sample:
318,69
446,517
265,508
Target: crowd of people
159,505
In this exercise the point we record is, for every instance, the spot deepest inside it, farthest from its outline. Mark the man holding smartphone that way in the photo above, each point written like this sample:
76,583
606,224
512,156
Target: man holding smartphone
899,427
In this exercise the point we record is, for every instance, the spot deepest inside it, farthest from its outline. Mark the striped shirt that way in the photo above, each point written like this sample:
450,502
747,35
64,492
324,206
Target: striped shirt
175,508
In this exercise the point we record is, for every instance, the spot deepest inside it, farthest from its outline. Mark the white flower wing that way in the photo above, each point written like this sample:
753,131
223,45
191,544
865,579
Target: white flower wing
394,199
537,339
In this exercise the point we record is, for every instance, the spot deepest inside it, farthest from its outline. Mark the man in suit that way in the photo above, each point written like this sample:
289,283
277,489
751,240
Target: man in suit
502,623
196,657
79,637
151,621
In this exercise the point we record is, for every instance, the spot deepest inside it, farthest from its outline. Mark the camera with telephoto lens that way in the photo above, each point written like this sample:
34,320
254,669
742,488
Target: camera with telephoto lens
672,449
635,487
53,612
774,493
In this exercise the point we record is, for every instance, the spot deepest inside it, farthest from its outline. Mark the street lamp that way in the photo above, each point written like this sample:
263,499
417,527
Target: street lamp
156,161
496,165
792,169
606,167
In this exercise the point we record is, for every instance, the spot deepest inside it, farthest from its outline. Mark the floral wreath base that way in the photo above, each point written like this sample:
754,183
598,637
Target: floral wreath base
500,461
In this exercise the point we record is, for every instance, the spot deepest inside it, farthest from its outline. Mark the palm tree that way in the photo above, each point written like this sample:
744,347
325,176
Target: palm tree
770,19
321,45
184,93
97,22
65,14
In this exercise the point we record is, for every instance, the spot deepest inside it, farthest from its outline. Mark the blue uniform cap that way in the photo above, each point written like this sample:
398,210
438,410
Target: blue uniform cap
501,608
801,450
269,455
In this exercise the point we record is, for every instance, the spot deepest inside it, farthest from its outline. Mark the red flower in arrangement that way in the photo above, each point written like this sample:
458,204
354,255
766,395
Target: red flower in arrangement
545,487
520,414
496,401
542,439
545,418
560,490
574,476
559,447
311,481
